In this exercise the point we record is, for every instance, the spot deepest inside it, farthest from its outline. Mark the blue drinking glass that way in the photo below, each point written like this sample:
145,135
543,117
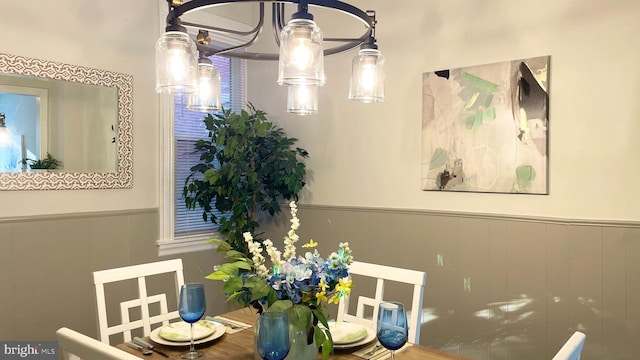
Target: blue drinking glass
392,328
191,308
272,332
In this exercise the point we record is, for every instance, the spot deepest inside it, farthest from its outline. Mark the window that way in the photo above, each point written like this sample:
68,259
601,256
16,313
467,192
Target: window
181,229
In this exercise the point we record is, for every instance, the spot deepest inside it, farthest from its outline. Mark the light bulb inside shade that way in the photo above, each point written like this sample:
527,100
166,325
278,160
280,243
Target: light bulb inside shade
301,58
367,76
302,99
5,136
176,63
207,98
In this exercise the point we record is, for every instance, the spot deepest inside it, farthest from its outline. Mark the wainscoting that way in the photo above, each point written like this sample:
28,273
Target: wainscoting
497,287
46,266
501,287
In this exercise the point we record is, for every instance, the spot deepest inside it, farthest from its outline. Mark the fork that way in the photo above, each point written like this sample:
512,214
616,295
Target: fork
371,352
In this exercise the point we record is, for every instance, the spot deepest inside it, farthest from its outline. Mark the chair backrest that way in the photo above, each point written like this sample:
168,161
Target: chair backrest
142,302
382,273
572,349
76,346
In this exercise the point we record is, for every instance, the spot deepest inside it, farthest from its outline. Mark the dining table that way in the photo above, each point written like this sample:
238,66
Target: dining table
239,345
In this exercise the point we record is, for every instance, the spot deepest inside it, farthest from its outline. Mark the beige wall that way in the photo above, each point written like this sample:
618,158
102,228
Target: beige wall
95,34
370,154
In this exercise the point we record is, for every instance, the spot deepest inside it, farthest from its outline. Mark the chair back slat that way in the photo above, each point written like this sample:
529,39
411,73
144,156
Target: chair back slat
572,349
143,301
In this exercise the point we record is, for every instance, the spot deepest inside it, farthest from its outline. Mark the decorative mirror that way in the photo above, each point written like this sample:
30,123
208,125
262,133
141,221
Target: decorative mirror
78,117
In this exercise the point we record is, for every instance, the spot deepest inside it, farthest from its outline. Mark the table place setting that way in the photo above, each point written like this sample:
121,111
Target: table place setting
231,326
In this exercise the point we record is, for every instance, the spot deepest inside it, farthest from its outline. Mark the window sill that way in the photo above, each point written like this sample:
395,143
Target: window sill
185,244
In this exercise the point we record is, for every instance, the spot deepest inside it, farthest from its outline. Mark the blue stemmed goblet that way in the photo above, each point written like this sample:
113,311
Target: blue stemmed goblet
272,331
392,329
191,308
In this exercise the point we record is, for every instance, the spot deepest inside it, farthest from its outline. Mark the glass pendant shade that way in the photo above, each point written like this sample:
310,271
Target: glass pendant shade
5,135
301,58
207,98
367,76
176,63
302,99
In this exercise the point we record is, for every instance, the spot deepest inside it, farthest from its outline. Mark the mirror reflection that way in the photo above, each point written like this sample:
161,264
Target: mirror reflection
64,126
57,125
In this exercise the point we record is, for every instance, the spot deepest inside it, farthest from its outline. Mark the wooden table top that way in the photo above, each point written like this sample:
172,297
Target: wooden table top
240,345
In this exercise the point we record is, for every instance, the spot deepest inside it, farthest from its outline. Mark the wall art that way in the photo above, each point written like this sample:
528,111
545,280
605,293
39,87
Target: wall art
485,128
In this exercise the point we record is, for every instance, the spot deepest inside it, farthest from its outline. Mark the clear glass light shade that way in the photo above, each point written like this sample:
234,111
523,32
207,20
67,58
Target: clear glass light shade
5,136
176,64
302,99
301,60
367,76
207,98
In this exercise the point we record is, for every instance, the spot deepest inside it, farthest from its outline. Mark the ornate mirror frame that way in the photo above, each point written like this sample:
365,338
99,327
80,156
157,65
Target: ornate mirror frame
123,177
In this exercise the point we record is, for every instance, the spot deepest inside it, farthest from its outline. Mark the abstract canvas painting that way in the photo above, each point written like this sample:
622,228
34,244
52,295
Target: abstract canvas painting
486,128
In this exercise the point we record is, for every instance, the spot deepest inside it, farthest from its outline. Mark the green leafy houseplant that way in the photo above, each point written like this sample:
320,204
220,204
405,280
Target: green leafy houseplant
49,162
246,165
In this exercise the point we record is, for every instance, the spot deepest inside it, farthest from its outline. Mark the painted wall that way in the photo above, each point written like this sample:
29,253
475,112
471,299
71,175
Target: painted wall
370,155
92,34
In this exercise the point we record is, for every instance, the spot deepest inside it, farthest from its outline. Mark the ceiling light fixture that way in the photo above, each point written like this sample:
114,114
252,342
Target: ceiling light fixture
302,48
367,73
5,135
207,97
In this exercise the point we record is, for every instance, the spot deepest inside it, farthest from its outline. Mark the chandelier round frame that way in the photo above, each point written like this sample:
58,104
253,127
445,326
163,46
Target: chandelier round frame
278,22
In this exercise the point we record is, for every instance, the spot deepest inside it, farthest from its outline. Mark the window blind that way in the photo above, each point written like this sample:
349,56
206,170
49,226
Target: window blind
188,128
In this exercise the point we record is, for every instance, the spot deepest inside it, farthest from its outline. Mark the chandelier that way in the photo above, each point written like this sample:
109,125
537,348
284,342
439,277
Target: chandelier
183,65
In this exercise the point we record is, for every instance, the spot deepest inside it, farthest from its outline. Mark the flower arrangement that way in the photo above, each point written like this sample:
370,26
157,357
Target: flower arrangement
302,285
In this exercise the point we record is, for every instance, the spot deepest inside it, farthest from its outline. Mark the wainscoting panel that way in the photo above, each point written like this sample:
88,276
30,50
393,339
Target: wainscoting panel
500,287
46,266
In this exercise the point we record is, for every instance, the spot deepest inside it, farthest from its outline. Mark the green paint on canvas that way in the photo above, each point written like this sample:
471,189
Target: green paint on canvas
479,83
525,174
438,159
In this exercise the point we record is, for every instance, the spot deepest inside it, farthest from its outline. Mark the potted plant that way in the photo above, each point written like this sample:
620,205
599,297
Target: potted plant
48,163
247,165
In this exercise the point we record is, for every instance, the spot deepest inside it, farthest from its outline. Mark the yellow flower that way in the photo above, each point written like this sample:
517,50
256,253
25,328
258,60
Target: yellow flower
310,244
322,295
343,288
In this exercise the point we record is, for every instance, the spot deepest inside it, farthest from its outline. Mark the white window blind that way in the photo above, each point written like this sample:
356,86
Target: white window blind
188,128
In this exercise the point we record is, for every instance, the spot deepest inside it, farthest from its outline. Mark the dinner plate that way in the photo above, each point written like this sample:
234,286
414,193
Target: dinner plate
218,332
371,335
346,333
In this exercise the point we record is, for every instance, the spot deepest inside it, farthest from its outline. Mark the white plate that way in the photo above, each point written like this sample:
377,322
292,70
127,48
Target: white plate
219,331
346,333
371,335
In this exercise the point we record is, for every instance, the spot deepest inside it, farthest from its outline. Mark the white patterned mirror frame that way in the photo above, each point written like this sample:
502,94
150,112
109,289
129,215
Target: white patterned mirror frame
123,177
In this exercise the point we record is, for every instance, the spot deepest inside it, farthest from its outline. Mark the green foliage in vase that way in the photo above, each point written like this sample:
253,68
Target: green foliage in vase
246,165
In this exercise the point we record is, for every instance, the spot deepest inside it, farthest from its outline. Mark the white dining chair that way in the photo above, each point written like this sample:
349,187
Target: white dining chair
143,300
77,346
572,349
382,273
